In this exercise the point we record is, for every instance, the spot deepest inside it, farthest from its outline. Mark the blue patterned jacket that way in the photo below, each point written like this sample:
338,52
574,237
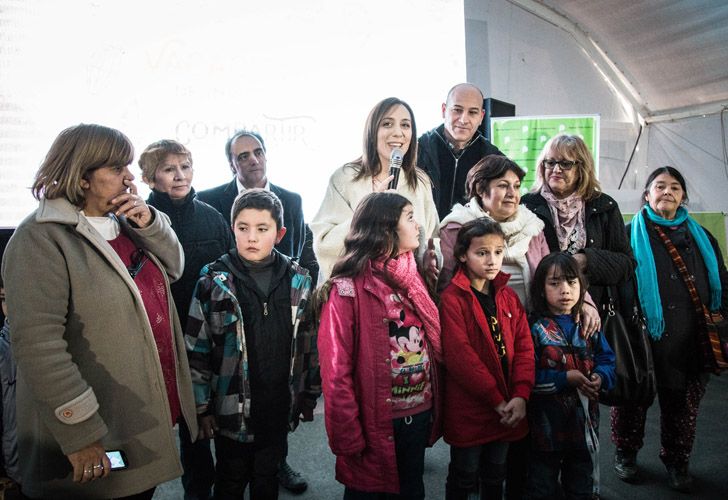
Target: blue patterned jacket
555,415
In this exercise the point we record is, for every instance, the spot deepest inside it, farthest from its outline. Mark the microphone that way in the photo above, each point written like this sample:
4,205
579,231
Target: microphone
395,165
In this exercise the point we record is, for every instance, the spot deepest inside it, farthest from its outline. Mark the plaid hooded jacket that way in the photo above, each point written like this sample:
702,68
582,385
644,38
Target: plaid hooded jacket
218,352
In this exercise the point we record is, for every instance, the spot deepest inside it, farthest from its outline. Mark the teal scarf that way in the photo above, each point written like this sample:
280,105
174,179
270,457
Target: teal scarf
648,288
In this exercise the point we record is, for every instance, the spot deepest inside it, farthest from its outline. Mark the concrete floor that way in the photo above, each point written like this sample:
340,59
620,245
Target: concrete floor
310,454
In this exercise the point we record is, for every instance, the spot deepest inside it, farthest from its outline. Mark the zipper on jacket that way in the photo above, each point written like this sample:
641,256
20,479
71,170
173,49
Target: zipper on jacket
457,160
454,177
265,308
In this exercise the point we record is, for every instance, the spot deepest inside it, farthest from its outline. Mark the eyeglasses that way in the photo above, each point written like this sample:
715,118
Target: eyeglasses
563,164
138,259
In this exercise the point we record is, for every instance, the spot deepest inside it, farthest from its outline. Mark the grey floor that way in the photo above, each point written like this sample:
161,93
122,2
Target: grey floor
310,454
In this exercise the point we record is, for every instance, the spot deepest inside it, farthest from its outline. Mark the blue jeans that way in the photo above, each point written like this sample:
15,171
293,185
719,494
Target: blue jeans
476,469
576,475
411,435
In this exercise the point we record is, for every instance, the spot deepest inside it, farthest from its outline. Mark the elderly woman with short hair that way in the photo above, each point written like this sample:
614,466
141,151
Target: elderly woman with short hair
100,353
494,189
166,167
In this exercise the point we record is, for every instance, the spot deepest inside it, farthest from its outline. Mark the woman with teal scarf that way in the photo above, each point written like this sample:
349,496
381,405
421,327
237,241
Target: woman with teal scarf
673,323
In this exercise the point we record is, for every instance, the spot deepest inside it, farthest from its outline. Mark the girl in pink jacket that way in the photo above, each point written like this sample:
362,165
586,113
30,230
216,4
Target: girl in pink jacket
379,344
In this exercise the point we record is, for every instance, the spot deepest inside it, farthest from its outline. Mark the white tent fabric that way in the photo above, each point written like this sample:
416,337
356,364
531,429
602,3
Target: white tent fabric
655,63
674,53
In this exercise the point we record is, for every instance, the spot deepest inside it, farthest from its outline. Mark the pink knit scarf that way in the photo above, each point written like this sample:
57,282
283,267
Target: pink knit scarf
403,272
568,215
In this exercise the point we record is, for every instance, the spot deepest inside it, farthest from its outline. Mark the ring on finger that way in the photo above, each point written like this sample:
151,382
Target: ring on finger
88,471
99,466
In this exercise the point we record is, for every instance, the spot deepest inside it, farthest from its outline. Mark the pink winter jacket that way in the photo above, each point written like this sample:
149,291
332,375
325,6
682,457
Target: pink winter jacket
353,342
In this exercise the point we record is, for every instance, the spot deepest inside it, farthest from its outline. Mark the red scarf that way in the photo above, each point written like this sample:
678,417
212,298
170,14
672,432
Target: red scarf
403,271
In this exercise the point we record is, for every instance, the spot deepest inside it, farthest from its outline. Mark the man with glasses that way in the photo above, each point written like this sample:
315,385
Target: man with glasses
245,152
449,151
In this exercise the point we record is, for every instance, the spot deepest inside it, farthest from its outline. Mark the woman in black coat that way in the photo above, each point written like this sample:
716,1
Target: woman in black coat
578,217
675,328
167,168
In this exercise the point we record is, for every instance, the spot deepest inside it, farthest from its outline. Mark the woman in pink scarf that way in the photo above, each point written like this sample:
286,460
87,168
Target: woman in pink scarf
379,343
579,218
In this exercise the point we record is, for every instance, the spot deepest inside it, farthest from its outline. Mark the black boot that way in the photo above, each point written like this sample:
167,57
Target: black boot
491,491
678,478
290,479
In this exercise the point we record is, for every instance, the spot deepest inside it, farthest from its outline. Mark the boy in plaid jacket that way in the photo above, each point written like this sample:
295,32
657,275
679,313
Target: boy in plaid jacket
254,370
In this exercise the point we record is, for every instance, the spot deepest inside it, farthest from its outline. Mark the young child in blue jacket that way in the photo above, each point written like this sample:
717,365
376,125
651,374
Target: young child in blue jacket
571,370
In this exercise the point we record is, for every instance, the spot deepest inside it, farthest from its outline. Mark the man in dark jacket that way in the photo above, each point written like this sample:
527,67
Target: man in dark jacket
449,151
245,152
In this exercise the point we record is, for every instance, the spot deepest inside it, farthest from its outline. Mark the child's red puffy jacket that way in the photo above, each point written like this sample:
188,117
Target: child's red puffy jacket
474,380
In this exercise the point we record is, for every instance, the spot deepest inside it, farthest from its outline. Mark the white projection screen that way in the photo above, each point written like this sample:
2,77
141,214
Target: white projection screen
303,74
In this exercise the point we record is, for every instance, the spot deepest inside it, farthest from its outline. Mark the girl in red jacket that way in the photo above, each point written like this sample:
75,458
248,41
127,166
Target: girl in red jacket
379,341
488,356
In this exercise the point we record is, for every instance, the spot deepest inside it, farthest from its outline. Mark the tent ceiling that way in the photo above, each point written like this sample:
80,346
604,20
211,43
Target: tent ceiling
673,53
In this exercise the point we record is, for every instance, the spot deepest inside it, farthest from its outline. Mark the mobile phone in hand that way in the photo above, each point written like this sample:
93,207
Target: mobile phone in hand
118,459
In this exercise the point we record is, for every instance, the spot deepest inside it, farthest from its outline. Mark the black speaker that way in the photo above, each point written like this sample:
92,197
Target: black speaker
494,108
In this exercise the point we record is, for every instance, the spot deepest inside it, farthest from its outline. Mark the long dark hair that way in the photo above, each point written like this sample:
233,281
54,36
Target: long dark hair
369,164
373,233
566,268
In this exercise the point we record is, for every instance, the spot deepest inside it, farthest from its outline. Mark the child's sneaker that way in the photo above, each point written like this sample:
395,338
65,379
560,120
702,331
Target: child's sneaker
625,465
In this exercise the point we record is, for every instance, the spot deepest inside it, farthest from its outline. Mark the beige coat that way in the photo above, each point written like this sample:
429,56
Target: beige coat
332,222
88,367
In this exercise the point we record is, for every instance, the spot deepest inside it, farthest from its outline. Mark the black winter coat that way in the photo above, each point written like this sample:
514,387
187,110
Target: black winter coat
609,257
268,335
676,354
204,236
447,168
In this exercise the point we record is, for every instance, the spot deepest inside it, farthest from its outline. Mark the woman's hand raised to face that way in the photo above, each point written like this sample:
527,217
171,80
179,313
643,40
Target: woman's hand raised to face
132,206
